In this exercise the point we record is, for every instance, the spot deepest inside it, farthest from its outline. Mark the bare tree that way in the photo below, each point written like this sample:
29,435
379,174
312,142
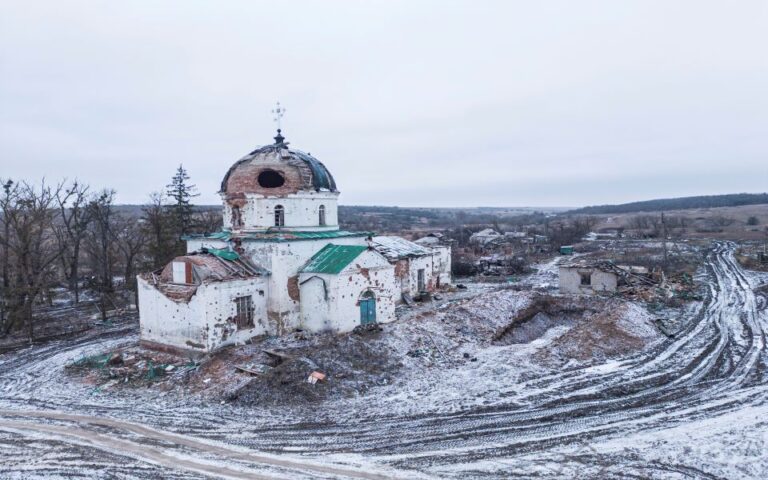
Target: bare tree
75,217
665,235
5,206
130,239
640,222
722,221
158,223
30,249
99,240
208,221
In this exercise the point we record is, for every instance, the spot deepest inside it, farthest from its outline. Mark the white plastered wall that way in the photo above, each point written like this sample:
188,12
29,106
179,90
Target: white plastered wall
442,263
411,284
221,309
369,271
301,212
570,280
164,321
205,322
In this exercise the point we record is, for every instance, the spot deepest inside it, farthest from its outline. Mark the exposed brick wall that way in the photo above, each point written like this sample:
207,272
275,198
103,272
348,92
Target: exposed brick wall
245,179
237,200
402,269
293,288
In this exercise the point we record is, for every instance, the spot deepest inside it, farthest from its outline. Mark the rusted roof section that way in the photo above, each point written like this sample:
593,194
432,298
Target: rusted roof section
210,267
396,248
332,259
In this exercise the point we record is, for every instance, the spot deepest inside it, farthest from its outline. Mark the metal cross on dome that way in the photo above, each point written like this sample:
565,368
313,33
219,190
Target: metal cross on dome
278,112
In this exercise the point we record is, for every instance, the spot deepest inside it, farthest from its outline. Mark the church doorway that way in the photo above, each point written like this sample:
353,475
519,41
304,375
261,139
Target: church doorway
367,308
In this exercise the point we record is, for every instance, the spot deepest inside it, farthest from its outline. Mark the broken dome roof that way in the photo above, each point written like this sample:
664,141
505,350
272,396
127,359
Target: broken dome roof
311,173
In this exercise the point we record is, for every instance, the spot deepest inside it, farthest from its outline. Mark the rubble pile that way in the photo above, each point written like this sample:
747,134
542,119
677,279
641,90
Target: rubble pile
302,369
671,291
753,256
132,366
442,341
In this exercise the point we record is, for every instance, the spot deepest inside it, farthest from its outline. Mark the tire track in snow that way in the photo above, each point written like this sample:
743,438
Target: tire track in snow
110,442
706,370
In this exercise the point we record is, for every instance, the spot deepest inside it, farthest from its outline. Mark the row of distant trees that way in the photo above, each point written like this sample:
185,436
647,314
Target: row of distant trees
704,201
71,235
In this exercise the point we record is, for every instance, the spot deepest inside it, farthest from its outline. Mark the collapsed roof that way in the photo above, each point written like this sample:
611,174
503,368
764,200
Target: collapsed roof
214,265
397,248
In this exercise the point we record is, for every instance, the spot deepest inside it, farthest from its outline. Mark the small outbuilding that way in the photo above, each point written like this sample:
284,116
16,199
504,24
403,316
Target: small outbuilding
343,286
601,276
416,268
485,236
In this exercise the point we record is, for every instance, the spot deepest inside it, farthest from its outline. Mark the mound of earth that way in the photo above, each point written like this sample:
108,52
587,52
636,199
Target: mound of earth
469,348
351,363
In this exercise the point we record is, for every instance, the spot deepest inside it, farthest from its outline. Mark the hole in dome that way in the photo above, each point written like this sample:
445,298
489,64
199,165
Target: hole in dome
271,179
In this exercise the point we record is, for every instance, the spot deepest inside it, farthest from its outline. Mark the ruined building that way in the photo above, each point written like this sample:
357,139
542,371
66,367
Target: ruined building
280,263
599,276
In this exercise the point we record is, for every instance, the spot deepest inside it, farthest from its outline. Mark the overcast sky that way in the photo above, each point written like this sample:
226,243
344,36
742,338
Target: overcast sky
431,103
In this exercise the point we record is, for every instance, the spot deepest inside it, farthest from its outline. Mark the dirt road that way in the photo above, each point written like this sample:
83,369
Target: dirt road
80,429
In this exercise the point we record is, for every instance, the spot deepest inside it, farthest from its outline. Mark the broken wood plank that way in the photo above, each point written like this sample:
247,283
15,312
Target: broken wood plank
280,355
247,370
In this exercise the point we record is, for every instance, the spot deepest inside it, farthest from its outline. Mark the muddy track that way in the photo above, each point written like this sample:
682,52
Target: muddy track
714,357
715,365
77,427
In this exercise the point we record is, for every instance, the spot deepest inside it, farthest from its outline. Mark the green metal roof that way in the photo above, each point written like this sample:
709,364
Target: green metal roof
278,236
333,258
224,253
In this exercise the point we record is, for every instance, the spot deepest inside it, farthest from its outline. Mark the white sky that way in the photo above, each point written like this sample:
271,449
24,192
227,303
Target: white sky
411,103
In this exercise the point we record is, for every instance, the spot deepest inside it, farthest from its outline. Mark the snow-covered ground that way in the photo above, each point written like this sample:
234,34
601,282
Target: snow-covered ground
689,407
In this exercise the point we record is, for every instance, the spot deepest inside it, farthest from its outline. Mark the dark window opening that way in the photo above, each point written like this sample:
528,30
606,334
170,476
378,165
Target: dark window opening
279,216
271,179
244,315
322,215
237,219
586,278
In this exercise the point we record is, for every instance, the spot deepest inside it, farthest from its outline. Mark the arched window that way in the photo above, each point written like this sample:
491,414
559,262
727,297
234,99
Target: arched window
279,216
321,212
237,218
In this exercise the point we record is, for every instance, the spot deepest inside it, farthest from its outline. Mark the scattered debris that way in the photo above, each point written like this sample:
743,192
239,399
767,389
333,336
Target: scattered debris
253,369
407,299
279,355
368,329
315,377
418,352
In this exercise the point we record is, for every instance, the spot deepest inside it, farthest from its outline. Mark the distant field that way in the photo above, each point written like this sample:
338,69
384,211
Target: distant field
697,202
699,218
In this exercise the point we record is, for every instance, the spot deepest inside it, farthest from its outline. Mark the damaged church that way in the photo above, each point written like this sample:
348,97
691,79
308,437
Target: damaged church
280,263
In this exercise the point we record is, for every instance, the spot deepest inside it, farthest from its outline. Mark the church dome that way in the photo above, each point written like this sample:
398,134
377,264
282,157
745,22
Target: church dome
276,170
